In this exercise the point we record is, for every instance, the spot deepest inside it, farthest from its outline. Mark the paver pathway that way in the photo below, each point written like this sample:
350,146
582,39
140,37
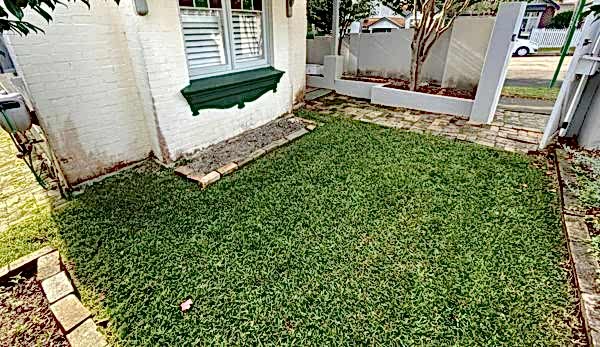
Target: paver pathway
20,194
511,131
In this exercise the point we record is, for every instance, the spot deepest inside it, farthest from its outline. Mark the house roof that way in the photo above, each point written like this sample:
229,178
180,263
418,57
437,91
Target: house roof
544,4
398,21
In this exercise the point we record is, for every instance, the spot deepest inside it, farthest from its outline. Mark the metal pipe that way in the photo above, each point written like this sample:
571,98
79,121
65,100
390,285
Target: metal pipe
567,45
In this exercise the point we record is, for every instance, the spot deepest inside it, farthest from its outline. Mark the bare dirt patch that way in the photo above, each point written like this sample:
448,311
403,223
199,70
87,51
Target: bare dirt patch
25,317
241,146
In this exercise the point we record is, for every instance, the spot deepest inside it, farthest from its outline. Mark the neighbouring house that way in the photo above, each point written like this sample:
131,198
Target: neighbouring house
567,5
113,85
382,24
538,14
384,19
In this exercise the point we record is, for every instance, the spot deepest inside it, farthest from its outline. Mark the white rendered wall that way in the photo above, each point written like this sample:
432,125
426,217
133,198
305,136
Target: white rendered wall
456,60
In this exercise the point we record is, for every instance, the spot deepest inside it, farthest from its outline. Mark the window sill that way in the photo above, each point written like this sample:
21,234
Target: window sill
236,88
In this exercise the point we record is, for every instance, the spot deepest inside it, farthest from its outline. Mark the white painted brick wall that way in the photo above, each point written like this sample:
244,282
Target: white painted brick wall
80,76
161,38
107,84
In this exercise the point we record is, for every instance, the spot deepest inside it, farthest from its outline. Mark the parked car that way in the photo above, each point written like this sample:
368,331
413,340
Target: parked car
524,47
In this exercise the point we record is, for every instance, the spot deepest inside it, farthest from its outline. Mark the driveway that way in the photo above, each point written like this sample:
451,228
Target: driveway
534,70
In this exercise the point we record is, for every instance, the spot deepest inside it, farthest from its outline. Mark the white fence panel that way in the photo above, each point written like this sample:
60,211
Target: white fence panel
552,38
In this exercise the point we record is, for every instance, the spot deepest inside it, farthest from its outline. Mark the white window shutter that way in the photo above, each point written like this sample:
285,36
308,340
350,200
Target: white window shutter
247,35
203,36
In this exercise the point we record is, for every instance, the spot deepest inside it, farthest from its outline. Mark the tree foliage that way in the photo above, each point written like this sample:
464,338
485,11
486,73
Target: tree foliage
561,20
12,13
434,18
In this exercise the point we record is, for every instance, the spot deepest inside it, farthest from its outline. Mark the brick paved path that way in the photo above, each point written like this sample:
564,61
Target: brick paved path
20,195
511,131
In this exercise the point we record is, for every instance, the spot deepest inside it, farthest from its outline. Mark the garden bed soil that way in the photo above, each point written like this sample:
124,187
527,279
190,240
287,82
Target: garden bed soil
429,88
586,168
25,316
241,146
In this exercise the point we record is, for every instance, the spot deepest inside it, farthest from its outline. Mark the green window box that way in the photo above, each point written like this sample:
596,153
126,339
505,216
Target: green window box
232,89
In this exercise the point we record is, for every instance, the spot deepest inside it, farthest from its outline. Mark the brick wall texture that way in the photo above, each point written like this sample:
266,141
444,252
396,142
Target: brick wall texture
106,84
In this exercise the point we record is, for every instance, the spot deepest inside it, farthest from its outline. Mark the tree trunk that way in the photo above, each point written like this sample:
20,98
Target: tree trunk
339,51
414,61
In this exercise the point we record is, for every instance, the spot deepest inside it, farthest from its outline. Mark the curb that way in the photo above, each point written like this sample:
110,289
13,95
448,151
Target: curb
74,319
527,109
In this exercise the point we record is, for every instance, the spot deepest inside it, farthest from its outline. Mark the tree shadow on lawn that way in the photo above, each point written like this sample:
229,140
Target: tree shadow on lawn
353,234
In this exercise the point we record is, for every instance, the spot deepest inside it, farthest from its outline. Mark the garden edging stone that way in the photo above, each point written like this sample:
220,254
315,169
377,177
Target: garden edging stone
48,265
71,315
57,287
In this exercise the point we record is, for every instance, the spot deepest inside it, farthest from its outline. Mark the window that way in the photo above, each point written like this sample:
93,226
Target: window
223,36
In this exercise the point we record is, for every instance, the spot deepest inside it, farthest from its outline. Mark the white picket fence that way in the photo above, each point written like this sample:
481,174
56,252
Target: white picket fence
552,38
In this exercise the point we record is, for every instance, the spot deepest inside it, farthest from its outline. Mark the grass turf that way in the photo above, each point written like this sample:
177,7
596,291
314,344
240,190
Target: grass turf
541,93
353,234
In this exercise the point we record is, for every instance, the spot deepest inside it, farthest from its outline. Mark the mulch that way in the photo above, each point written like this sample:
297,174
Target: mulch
25,316
429,87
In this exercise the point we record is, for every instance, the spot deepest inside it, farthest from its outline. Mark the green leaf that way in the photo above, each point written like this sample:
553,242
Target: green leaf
13,8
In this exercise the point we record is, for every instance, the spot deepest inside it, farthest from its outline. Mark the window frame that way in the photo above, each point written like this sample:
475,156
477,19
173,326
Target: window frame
231,66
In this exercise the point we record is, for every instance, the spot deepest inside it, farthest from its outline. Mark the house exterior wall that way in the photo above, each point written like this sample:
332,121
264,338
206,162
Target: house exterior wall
83,87
181,133
110,91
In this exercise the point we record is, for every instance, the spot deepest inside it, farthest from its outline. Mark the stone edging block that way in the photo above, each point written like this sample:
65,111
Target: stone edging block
72,317
86,335
69,312
57,287
204,180
48,265
24,262
209,179
227,168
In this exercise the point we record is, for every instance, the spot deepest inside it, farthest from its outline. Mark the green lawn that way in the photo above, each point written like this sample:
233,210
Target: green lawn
354,234
541,93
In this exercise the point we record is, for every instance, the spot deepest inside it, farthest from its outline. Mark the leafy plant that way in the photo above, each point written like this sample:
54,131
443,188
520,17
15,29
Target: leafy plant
12,13
587,169
561,20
